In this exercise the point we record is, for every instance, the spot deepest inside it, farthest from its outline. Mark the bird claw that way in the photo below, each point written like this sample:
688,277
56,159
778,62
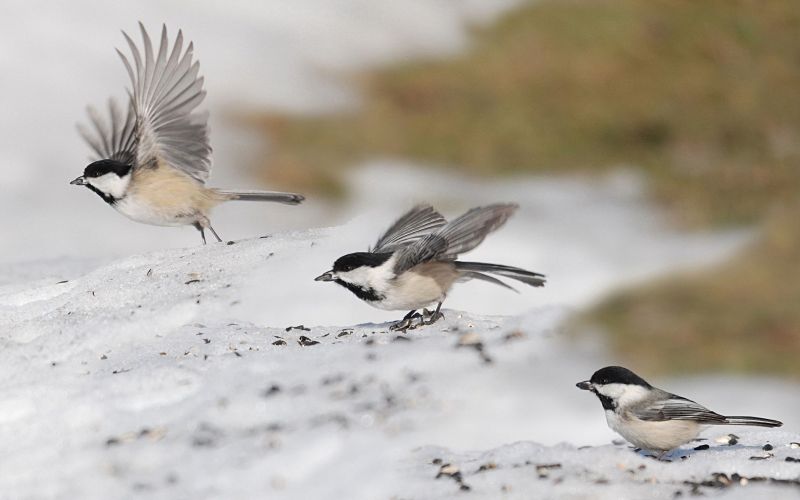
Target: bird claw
407,323
431,317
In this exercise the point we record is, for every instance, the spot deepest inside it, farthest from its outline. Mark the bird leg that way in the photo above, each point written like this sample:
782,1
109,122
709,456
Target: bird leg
219,240
661,456
405,323
433,317
202,231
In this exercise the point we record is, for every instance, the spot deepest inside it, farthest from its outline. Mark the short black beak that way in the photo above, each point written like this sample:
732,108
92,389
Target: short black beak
327,276
585,385
79,181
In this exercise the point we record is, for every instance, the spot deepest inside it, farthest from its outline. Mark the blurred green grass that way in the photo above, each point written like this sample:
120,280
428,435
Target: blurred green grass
702,96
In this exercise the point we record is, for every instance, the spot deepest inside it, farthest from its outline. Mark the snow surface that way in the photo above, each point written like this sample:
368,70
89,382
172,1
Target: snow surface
132,366
140,378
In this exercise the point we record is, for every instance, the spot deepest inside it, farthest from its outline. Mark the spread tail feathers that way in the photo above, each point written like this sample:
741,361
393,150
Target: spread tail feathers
757,421
278,197
476,269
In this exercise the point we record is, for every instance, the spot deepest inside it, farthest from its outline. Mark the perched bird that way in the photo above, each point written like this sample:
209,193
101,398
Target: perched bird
413,264
153,157
653,419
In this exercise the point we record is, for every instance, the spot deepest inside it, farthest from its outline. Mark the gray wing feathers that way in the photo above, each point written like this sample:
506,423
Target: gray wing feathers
114,139
166,90
678,408
413,225
457,236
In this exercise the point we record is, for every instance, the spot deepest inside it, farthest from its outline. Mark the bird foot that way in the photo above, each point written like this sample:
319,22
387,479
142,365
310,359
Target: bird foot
431,317
407,323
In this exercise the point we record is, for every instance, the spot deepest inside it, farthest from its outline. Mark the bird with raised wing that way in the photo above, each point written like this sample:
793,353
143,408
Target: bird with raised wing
414,263
152,157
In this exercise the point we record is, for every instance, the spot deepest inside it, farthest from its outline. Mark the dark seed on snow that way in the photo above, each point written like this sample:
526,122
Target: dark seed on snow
271,391
767,447
702,447
279,342
305,341
192,281
792,459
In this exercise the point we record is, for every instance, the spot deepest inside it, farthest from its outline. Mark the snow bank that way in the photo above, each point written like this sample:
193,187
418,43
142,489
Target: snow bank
141,377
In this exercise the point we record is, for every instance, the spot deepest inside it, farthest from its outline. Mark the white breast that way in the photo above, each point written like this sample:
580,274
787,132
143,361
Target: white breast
649,435
132,207
411,291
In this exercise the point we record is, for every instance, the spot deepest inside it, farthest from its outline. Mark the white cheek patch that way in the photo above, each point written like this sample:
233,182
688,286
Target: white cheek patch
376,278
623,394
111,184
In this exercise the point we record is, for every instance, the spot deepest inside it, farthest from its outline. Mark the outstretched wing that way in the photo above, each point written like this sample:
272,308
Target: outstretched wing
166,90
457,236
413,225
114,138
678,408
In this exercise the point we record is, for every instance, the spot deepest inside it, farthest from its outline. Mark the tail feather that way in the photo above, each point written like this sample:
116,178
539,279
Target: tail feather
757,421
474,275
527,277
274,196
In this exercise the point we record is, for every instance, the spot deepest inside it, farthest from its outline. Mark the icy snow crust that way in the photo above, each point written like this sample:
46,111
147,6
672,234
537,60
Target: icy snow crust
140,378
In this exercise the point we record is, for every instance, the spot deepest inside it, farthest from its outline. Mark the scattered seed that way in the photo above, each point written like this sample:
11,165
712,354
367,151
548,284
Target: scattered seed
271,391
767,447
192,281
515,335
149,272
469,339
702,447
305,341
792,459
207,341
343,333
279,342
298,327
729,439
448,470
